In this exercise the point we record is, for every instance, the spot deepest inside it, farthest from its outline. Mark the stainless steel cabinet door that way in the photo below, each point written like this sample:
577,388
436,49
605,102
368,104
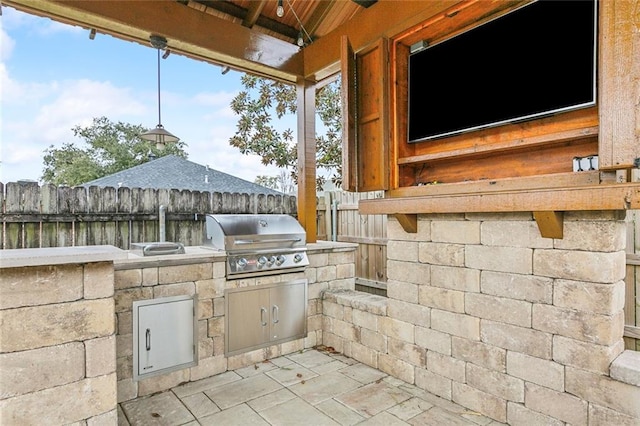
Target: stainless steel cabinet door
264,315
247,319
288,311
164,336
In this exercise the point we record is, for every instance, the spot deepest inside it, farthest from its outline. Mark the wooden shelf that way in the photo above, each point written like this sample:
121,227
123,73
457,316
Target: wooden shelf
556,180
617,196
609,196
490,149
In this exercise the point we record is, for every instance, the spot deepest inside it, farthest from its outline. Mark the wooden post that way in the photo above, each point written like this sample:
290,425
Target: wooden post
307,158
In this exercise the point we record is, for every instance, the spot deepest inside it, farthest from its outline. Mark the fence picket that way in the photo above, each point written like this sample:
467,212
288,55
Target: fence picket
35,216
49,205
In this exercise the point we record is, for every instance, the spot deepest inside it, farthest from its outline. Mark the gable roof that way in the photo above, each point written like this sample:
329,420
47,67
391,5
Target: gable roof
173,172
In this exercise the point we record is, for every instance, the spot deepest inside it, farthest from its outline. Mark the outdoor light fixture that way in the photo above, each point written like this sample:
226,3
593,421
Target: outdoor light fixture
280,9
300,40
92,34
166,54
159,135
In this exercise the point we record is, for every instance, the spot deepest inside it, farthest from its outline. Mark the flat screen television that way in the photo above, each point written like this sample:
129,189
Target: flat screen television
535,61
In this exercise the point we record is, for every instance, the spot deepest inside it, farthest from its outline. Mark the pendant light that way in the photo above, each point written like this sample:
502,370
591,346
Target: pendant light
159,135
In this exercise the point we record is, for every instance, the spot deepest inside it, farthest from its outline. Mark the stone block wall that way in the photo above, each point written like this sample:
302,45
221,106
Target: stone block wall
484,312
331,266
57,338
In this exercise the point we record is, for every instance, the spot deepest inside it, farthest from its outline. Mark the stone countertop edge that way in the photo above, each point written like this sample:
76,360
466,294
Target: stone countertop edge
330,246
16,258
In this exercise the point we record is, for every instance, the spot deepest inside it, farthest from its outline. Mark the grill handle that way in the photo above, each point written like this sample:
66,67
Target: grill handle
272,240
162,249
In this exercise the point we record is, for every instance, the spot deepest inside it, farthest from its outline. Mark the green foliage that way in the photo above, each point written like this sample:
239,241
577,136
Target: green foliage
110,148
256,133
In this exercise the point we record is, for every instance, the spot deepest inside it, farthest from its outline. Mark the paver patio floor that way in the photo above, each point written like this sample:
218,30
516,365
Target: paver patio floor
311,388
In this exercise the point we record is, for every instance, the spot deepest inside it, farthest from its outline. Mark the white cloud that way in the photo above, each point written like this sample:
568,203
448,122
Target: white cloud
68,104
13,19
7,45
16,93
219,99
79,101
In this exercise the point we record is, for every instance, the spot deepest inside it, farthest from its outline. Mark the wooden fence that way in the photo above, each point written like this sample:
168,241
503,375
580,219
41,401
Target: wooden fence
49,216
339,220
632,281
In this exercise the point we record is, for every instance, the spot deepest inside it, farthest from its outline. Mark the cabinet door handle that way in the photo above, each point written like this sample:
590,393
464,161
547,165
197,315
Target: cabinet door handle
274,313
147,339
263,316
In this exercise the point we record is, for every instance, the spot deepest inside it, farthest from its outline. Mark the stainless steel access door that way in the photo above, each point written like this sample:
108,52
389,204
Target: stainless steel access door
264,315
247,319
165,335
288,304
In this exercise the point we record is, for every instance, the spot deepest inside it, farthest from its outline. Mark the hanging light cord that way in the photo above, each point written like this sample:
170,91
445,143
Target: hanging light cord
299,21
159,119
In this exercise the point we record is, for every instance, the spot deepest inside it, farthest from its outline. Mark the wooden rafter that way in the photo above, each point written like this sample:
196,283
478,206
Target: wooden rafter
253,13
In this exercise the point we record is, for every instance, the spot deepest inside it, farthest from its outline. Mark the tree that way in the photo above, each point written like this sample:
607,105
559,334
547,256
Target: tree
256,133
110,148
283,182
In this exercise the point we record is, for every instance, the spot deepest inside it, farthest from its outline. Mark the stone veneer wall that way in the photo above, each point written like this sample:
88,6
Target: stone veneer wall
331,267
484,312
57,337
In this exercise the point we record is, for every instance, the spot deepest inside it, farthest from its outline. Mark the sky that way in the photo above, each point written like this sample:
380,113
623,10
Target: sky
53,77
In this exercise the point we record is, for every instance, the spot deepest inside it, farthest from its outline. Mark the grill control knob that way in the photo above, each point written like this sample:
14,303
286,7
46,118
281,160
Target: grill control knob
271,261
280,260
241,263
297,258
262,260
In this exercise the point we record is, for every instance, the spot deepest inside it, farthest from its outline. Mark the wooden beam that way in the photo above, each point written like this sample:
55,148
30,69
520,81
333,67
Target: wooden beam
550,224
623,196
318,15
409,222
187,30
306,91
242,13
632,331
383,19
253,13
619,84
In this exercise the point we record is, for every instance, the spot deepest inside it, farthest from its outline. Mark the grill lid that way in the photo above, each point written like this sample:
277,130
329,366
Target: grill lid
254,232
258,244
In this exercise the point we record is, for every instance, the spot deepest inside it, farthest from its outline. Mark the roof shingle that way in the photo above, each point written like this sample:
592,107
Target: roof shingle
173,172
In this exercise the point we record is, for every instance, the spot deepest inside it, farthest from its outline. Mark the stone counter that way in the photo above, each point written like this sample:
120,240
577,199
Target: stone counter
57,336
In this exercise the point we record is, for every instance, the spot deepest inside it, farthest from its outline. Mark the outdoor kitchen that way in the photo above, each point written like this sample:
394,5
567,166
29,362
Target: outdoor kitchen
114,281
507,291
245,259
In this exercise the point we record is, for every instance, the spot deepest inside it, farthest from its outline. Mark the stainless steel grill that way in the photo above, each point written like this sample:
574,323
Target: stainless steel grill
258,244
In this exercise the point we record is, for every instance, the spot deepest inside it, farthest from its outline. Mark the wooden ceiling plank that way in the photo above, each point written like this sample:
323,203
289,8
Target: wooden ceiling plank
318,15
238,12
188,31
